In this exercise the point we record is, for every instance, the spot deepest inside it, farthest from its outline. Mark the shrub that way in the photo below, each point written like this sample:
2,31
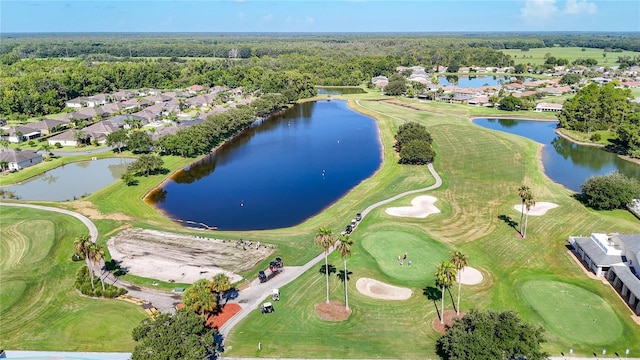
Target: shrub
58,145
83,284
32,143
417,152
596,137
610,191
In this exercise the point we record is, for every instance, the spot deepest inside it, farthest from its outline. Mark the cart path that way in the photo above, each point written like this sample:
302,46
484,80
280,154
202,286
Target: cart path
251,297
162,300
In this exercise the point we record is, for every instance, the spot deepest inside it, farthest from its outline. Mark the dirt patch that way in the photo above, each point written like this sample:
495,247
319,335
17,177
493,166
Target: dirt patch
182,258
449,317
228,311
88,209
379,290
421,207
539,209
333,311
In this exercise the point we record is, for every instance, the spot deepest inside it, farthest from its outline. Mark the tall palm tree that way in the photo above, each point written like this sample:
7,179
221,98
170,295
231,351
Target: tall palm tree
445,273
344,247
96,254
325,239
83,244
459,261
529,202
200,298
523,190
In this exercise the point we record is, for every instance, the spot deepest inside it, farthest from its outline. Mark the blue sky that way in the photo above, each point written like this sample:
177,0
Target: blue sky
318,16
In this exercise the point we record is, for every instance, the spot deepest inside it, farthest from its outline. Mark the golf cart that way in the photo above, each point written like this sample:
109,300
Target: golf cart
267,308
275,295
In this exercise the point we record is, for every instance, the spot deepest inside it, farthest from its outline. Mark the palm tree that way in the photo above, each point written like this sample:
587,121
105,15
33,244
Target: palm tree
459,261
523,190
96,254
325,239
4,164
83,244
200,298
344,247
529,202
445,273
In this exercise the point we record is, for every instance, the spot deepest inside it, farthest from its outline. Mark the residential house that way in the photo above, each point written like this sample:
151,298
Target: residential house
375,79
464,70
123,95
67,138
481,100
20,133
614,257
194,89
20,159
123,121
100,130
48,126
548,107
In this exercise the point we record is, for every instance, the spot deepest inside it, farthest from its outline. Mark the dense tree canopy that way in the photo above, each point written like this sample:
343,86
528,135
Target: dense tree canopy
489,335
182,335
610,191
595,107
413,142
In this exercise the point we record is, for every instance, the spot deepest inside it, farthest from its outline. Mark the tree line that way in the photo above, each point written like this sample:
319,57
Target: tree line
597,109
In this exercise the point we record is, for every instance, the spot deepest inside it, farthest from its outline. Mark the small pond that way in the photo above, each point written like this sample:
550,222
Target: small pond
478,81
71,181
328,90
564,162
276,174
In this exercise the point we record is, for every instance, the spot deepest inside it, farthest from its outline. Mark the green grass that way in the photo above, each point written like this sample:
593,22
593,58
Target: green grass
386,245
39,308
537,56
481,171
572,311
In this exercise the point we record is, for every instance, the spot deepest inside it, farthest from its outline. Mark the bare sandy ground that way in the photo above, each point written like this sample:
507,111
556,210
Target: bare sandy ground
379,290
421,207
470,276
182,258
539,209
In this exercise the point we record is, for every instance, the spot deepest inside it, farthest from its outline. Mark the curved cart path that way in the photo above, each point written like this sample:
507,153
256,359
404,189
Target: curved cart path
162,300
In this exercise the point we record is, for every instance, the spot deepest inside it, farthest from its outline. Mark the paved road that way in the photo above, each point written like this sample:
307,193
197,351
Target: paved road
162,300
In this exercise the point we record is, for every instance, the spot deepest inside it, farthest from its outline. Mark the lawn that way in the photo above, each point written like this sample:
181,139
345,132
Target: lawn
481,171
536,56
562,306
39,309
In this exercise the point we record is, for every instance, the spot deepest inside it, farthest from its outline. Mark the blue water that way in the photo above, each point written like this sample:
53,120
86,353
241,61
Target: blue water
564,162
477,81
279,173
71,181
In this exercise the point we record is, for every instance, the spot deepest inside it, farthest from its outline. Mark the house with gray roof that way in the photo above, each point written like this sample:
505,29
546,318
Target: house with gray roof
48,126
614,257
20,133
20,159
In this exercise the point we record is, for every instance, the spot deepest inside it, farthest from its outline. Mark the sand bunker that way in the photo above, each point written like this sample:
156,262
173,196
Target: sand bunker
379,290
182,258
421,207
470,276
539,209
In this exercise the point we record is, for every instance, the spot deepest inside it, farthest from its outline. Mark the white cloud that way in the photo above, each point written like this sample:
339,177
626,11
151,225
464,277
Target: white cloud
241,16
539,9
580,7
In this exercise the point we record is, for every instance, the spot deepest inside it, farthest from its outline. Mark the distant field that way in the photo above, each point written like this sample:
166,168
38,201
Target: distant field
537,56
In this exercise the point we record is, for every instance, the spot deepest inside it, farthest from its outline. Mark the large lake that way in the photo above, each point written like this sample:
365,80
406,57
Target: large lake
477,81
279,173
564,162
71,181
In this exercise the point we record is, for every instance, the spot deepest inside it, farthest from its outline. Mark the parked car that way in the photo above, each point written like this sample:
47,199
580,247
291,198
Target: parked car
358,216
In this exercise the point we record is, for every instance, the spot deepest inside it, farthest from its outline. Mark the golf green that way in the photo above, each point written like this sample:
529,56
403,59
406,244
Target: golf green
562,307
423,252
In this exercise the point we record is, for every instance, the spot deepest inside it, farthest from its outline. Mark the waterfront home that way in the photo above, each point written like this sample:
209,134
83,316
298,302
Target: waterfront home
548,107
19,159
20,133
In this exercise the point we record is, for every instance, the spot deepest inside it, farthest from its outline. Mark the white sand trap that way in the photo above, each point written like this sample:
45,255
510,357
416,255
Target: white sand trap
379,290
470,276
421,207
539,209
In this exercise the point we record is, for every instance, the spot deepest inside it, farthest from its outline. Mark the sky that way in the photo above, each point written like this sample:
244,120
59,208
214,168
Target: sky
319,16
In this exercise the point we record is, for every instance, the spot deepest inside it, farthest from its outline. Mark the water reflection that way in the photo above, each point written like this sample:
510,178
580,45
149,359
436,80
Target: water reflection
564,162
71,181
